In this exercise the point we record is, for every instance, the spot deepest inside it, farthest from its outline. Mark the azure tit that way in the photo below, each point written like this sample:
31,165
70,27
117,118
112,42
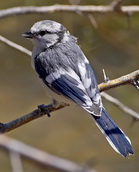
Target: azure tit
69,78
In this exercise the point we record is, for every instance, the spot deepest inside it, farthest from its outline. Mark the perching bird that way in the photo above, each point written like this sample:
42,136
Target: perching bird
68,77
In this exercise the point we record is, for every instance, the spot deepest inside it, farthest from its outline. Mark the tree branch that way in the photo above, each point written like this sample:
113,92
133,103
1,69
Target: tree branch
40,157
15,46
16,163
120,105
69,8
131,78
29,117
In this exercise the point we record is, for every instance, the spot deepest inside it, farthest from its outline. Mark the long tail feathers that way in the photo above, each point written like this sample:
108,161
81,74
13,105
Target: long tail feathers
115,136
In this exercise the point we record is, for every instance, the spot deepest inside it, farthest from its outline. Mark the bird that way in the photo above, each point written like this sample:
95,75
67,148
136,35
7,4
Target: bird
68,77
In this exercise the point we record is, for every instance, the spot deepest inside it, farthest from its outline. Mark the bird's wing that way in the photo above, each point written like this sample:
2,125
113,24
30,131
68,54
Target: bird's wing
69,84
66,83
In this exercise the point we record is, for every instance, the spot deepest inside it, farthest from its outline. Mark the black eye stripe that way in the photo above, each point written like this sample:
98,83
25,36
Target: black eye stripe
43,32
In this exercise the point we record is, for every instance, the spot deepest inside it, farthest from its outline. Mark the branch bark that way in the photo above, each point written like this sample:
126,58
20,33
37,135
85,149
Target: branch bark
40,157
103,9
131,78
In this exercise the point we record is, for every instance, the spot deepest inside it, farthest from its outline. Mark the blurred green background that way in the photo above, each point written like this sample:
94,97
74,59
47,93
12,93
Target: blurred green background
71,134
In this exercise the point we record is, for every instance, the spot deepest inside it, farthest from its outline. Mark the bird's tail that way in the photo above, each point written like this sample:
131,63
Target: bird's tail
115,136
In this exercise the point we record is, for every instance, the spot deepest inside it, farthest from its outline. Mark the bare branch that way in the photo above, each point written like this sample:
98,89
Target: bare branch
28,117
120,105
15,162
39,113
126,79
40,157
15,46
68,8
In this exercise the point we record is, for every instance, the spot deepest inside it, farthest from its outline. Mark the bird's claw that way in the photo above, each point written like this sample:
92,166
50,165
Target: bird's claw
43,108
1,125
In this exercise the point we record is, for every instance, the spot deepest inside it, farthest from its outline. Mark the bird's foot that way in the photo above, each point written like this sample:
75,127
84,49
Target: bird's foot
44,109
2,128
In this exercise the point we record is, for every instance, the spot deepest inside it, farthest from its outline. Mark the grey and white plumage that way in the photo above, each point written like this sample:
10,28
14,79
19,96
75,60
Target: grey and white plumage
68,77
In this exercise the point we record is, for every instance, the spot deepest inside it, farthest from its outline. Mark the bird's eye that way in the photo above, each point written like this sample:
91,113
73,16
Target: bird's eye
42,32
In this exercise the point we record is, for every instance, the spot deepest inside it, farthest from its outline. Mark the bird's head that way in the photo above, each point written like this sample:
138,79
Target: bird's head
47,33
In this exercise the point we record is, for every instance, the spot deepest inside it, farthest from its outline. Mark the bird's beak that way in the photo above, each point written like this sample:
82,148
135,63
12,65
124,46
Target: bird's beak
28,35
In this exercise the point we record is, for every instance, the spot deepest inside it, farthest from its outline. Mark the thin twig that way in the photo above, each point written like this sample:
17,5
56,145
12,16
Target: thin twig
40,157
68,8
106,79
15,46
120,105
16,163
93,21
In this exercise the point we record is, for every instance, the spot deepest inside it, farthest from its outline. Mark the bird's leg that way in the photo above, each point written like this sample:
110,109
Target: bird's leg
2,128
45,108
